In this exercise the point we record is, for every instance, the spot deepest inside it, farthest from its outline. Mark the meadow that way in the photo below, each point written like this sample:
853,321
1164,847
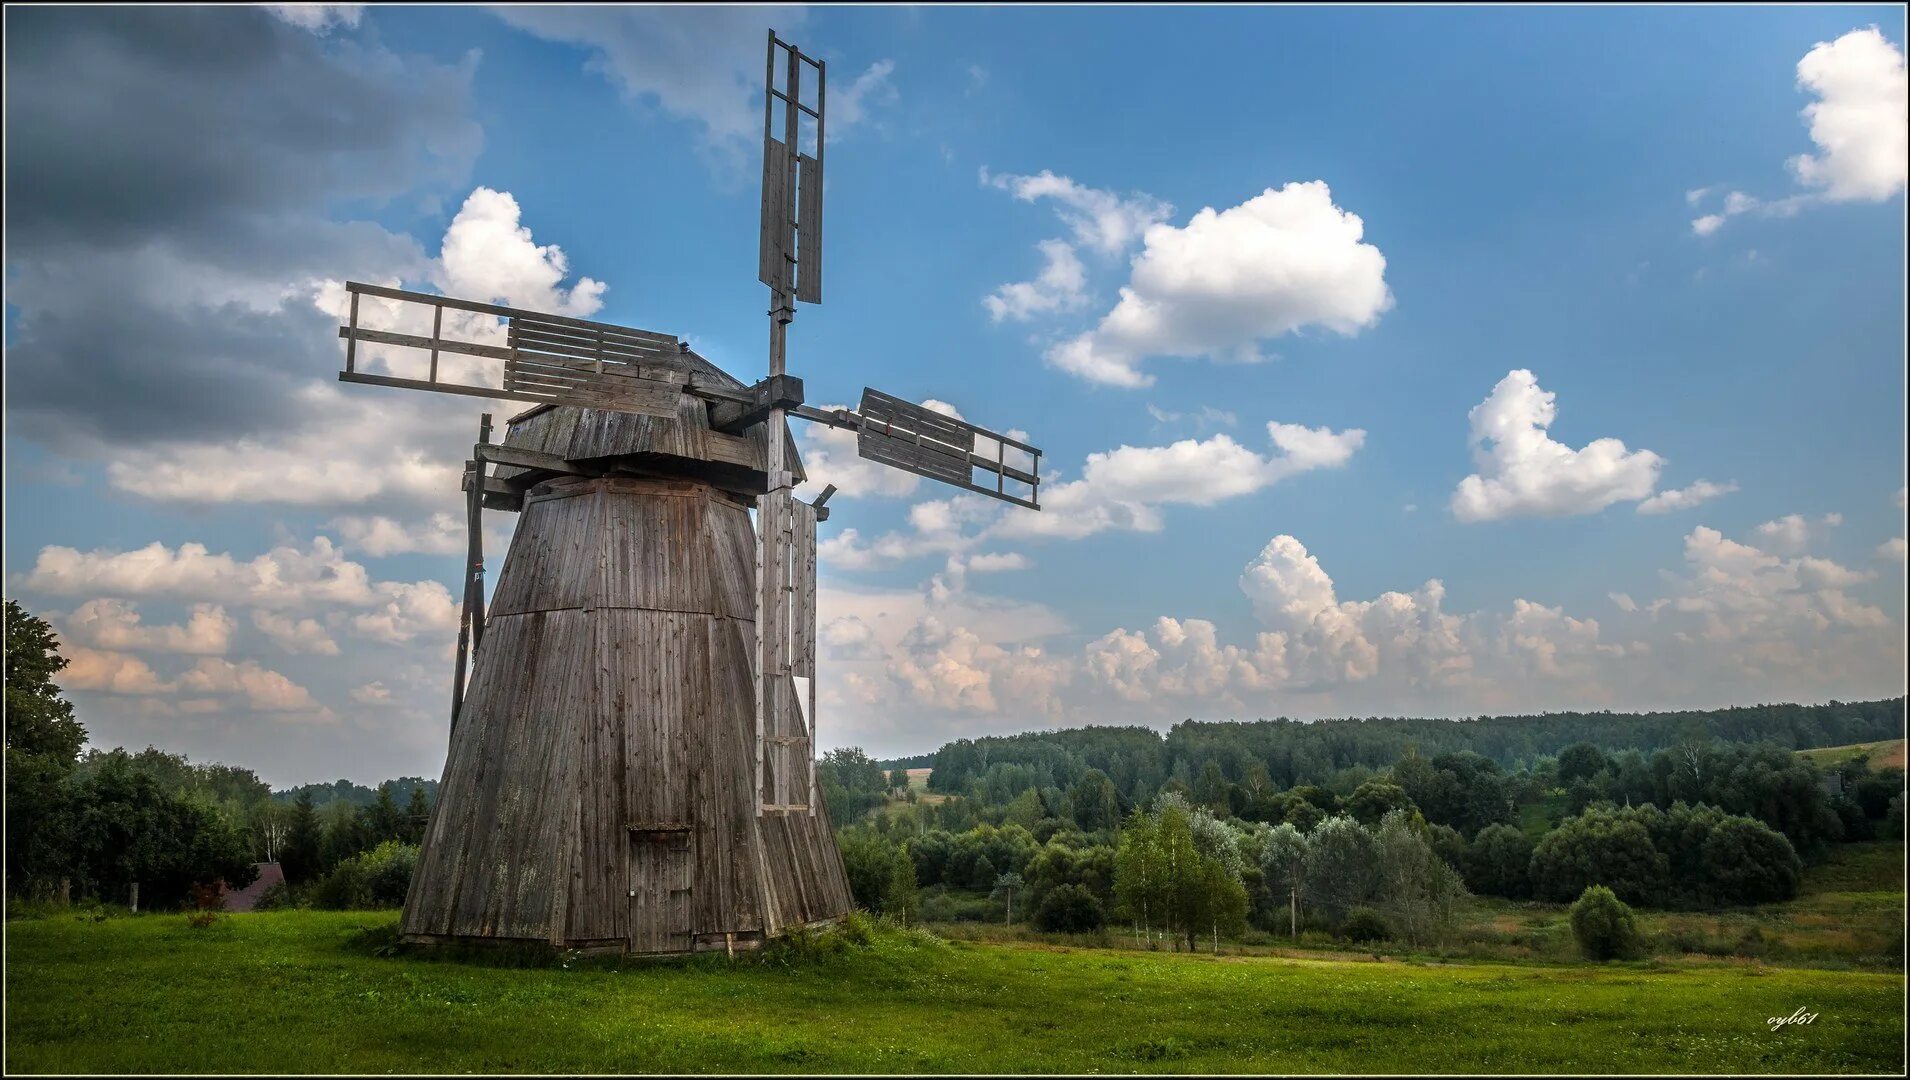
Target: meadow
308,991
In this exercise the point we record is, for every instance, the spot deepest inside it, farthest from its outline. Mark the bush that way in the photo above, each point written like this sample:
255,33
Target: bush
1069,909
1364,924
378,878
1603,925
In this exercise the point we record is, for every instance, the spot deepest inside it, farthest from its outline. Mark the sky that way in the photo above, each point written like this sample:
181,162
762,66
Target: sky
1429,361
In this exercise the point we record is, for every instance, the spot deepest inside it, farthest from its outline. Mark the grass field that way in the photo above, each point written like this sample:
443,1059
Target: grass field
305,992
1883,755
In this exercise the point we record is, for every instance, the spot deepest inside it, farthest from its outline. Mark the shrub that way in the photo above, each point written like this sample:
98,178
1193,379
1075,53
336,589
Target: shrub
1603,925
1364,924
376,878
1069,909
1751,943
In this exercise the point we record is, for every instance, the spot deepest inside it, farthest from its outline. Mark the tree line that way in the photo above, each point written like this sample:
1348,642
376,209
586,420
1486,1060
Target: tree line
93,824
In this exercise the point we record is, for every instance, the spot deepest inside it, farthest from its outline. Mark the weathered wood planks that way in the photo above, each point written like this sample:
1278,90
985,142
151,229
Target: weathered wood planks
599,790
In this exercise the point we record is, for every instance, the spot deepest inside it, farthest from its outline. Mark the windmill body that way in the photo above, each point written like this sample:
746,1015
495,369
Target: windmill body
632,759
598,792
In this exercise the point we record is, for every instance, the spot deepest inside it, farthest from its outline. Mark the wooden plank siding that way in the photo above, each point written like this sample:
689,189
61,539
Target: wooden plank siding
599,788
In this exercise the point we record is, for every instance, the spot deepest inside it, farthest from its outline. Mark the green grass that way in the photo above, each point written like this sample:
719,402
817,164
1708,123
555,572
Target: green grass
1884,753
302,991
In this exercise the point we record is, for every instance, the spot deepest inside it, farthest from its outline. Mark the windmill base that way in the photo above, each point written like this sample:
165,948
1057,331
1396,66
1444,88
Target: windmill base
600,791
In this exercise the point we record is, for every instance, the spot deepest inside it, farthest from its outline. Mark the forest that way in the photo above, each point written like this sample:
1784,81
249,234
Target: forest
1364,829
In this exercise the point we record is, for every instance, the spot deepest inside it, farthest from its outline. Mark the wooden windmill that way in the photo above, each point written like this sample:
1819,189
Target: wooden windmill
632,760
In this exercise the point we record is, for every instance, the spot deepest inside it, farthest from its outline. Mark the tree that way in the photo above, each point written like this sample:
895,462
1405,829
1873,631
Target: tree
1418,888
1603,925
417,816
1375,799
1006,886
872,865
1498,862
43,741
127,829
301,859
1097,805
1747,862
898,779
1139,877
39,721
1340,866
1068,909
1581,761
1598,847
902,897
382,819
1283,869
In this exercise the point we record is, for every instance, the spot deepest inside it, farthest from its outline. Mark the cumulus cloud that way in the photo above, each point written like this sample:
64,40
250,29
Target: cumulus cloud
1892,550
1858,123
261,688
1280,262
1061,286
379,536
1859,119
294,635
1524,471
489,255
1100,220
1685,498
1121,489
108,672
1793,534
115,625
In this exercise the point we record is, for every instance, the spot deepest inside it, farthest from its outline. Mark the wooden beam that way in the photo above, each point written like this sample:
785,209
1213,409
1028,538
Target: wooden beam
775,392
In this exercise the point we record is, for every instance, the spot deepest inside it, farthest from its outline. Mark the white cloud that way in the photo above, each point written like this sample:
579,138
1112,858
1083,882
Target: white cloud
1524,471
1892,550
1792,534
1100,220
318,18
489,256
410,609
1860,119
115,625
295,635
1061,286
1279,262
379,536
283,577
850,106
261,688
1685,498
108,672
1858,122
995,562
372,693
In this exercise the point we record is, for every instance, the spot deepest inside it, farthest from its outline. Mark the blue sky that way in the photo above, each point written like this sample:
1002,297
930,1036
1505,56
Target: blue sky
1526,177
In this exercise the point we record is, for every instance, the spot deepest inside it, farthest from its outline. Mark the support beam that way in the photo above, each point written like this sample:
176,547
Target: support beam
776,392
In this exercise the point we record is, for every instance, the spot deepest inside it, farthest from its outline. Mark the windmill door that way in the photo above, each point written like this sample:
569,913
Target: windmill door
660,889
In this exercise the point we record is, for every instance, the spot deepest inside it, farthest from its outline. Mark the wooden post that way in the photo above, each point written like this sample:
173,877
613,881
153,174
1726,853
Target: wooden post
471,619
133,900
476,529
1293,912
464,625
66,892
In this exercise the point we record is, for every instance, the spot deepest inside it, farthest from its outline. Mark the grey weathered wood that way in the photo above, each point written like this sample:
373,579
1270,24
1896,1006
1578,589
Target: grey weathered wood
606,736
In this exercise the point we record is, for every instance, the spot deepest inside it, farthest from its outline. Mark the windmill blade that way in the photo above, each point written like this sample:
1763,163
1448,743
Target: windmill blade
546,358
917,439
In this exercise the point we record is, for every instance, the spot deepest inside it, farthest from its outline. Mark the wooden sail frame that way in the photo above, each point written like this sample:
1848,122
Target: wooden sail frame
548,358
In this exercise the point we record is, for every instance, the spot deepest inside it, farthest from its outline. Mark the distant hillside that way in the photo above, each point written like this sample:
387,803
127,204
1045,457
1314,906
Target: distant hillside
1139,758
